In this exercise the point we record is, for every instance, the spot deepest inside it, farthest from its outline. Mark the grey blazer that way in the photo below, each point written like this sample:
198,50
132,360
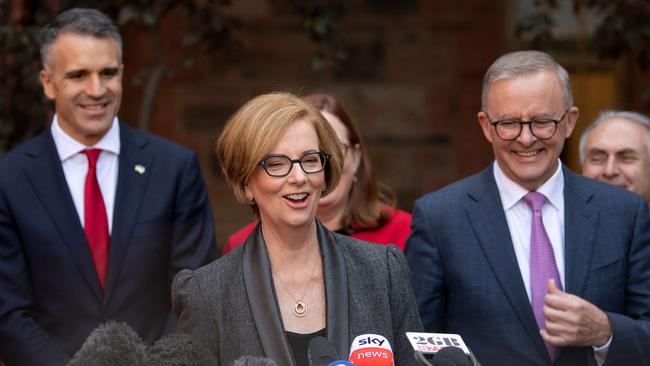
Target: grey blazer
229,307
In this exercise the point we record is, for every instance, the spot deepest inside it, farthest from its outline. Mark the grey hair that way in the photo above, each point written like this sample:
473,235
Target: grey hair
522,63
83,21
607,115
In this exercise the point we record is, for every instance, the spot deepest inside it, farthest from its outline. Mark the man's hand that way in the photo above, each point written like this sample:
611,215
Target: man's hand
573,321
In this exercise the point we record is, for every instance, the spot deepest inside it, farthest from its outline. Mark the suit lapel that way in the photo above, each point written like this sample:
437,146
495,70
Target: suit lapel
488,221
580,220
131,184
262,300
45,174
336,290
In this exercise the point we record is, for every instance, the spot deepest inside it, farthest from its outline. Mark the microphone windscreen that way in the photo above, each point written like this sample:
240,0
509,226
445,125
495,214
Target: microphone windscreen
254,361
111,344
321,352
173,350
371,350
452,356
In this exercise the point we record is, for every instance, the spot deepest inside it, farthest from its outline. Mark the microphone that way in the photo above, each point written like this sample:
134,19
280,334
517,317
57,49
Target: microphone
371,350
252,361
321,353
448,349
111,344
448,356
115,343
173,350
452,356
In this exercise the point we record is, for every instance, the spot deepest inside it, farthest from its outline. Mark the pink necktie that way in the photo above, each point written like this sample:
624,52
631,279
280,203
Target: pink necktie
95,221
542,262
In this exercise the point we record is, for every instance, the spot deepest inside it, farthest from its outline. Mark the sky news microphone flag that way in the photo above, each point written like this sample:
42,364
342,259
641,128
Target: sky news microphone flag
371,350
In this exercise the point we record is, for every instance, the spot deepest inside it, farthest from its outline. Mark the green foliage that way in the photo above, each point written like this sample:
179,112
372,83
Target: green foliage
23,111
320,19
623,28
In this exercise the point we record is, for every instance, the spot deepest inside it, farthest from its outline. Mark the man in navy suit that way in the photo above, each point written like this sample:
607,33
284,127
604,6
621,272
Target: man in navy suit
480,248
85,240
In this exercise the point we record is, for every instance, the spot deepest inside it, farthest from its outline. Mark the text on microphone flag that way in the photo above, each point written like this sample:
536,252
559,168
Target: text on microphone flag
431,343
371,350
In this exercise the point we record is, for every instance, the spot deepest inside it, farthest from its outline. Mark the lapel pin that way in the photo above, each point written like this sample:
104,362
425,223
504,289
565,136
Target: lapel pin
139,168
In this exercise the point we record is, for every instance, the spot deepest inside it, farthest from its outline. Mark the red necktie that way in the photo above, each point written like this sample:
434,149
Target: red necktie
95,221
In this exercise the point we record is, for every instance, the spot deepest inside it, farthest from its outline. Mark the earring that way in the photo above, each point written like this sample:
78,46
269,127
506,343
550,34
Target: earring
354,179
251,200
324,188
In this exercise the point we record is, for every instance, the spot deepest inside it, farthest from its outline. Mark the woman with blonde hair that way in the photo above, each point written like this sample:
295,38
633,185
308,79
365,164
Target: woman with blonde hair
293,279
361,206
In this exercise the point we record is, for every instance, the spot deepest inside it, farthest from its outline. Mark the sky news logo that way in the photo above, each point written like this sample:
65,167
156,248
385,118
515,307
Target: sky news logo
371,350
371,353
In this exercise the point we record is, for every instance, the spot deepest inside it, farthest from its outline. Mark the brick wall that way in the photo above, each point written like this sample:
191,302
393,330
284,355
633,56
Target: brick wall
412,84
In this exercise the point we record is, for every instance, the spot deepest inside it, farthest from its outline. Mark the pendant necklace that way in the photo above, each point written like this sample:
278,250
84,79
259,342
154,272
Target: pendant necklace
299,308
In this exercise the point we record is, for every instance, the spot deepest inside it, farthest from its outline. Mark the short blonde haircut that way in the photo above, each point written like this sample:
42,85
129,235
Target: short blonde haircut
251,133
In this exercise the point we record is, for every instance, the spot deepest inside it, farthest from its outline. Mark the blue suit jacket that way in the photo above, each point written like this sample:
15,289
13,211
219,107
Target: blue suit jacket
50,298
467,281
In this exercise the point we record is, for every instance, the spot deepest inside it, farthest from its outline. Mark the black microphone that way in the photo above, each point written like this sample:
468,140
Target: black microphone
321,352
452,356
253,361
449,356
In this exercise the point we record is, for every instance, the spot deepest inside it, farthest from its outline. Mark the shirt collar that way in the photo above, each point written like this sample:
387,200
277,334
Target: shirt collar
511,193
67,147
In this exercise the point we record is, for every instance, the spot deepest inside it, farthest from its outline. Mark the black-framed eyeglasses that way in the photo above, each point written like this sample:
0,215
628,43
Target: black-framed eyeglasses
281,165
542,128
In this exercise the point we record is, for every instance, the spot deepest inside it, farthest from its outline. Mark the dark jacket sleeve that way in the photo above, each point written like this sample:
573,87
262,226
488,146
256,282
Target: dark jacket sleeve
427,275
193,243
193,316
403,306
22,340
193,233
631,331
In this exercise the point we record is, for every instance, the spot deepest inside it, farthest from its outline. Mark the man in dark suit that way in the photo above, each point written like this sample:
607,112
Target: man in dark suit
95,218
530,263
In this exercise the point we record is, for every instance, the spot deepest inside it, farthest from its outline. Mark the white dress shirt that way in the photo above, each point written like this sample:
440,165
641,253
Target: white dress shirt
75,166
519,218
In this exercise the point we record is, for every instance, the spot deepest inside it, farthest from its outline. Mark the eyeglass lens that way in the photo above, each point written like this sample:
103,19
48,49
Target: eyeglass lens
541,129
281,165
